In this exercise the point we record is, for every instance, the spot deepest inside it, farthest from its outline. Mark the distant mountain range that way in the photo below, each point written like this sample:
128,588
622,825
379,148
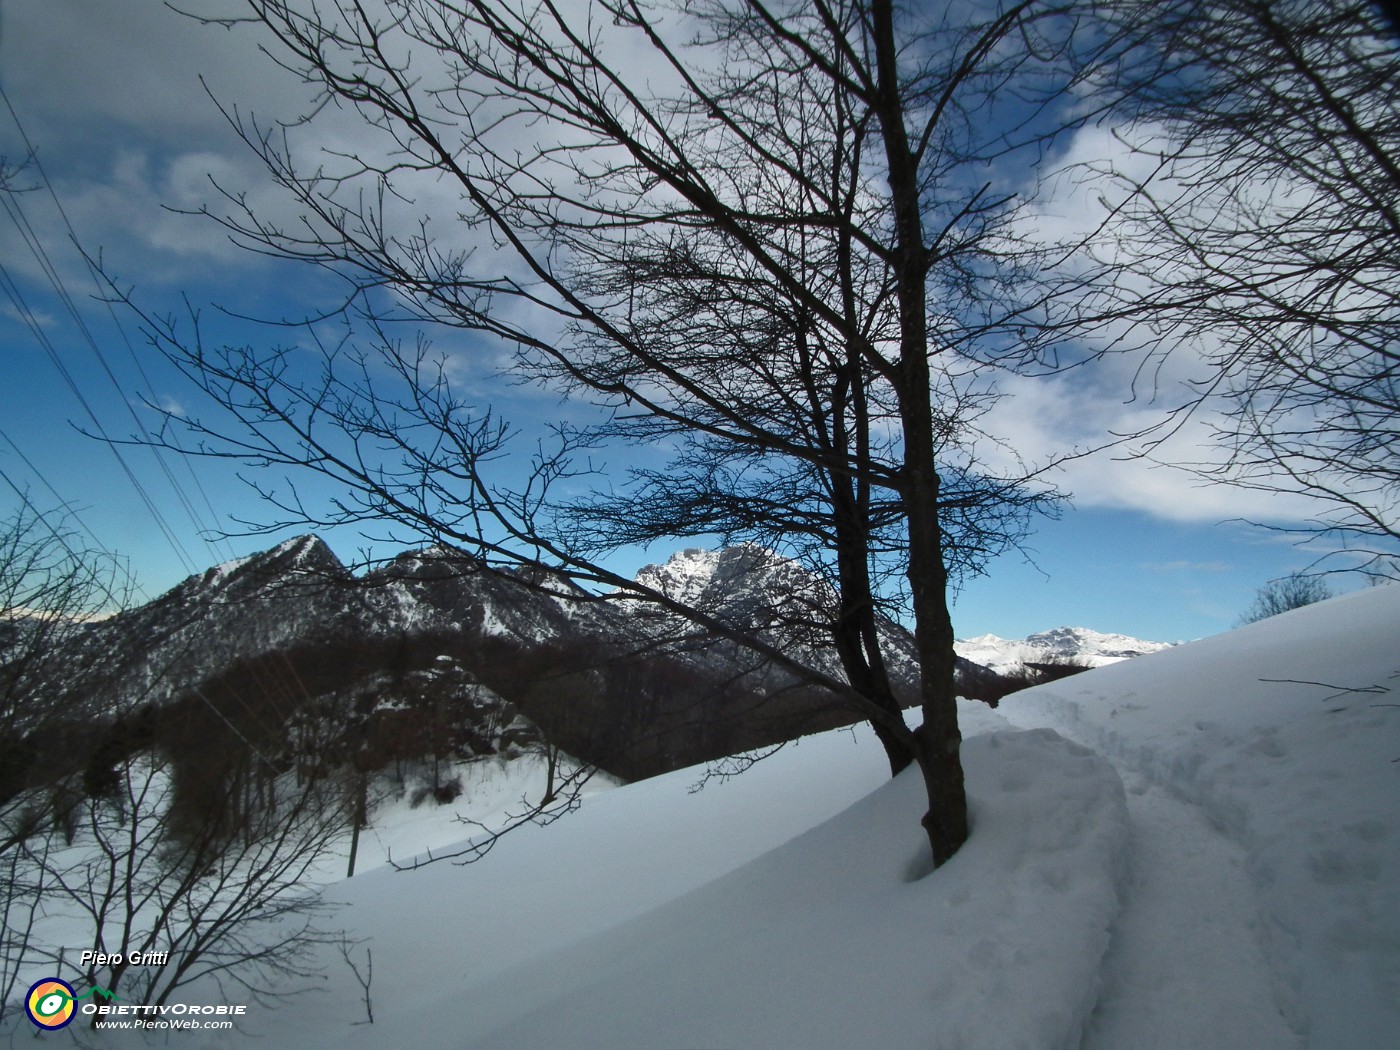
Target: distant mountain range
434,655
1077,644
429,648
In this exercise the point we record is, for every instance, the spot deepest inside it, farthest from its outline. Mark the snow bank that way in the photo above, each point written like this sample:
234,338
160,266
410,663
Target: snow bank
840,938
1286,734
625,852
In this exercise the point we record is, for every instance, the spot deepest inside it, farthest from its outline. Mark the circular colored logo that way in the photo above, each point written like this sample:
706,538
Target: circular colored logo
49,1003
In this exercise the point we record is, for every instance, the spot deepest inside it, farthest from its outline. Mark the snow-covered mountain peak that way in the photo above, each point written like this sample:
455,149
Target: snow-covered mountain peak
688,574
1083,641
720,578
1095,648
299,555
621,682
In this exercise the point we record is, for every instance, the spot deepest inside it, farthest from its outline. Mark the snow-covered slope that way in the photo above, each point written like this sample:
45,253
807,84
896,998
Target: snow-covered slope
1242,892
1053,821
1283,737
1061,643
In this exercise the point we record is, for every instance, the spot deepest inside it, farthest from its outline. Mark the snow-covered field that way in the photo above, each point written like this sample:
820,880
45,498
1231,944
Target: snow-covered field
1198,848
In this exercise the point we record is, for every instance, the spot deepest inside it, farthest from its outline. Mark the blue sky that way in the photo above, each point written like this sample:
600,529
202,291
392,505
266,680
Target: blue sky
111,99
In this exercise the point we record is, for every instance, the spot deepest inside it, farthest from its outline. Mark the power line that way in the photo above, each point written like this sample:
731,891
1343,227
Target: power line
52,491
115,599
24,311
16,296
36,246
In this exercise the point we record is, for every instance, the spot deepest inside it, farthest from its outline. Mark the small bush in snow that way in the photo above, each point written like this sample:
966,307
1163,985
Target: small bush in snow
443,793
1277,596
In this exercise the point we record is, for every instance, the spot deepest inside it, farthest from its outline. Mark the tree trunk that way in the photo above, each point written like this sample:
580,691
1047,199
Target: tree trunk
938,741
359,818
855,623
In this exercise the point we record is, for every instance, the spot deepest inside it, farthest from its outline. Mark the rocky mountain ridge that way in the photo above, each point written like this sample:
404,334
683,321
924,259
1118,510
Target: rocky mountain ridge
611,680
433,659
1078,644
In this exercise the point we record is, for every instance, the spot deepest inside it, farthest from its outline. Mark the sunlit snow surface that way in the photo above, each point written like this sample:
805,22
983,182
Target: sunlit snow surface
1198,848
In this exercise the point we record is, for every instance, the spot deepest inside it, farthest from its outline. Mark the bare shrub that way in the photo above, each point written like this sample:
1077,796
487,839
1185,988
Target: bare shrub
1279,596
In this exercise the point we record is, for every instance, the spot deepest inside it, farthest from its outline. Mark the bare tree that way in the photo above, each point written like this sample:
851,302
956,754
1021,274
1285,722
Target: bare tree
1262,229
1289,592
808,378
779,233
50,586
93,834
167,904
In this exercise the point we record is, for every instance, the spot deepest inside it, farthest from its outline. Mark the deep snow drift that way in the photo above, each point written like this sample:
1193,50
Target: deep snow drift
1200,847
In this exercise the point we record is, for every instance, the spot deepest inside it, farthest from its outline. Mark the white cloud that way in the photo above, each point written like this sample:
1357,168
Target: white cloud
42,318
1142,380
170,406
1068,417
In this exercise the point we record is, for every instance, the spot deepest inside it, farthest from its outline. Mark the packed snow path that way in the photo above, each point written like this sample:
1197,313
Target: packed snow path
1185,965
1263,769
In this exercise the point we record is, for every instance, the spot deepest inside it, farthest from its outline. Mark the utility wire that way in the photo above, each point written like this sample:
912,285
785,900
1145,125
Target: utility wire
16,296
13,292
36,246
115,600
11,289
58,499
21,222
